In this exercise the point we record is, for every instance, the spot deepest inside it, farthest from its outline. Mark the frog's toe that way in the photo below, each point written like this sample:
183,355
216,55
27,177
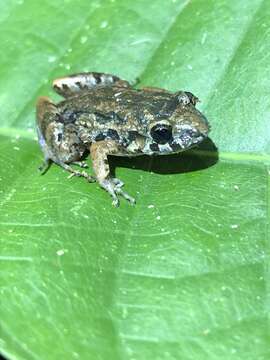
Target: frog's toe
81,164
73,172
116,202
84,174
109,186
118,182
118,189
125,195
113,186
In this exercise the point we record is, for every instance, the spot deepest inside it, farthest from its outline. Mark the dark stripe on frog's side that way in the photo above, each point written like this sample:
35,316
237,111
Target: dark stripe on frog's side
154,147
107,134
100,137
112,134
132,135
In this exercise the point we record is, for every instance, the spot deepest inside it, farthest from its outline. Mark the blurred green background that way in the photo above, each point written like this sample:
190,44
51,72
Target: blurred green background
184,273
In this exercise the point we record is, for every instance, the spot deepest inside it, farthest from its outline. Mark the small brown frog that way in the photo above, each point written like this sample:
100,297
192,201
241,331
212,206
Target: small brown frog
105,115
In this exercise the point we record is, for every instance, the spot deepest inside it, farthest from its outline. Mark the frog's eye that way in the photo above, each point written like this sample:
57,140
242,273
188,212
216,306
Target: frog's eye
161,133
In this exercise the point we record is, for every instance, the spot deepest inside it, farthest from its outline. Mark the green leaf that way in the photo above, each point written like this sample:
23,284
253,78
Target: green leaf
183,274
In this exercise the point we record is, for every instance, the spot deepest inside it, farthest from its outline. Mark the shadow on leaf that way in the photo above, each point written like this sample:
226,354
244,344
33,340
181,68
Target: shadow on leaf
198,158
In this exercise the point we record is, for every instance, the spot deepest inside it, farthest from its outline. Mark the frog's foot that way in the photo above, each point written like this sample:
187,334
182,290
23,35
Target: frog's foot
81,164
113,186
73,172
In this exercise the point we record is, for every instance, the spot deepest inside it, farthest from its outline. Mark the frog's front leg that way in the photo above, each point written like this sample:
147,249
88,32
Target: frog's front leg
73,84
99,152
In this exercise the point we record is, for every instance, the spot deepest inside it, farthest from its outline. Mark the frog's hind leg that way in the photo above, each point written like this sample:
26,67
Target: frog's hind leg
73,84
59,143
46,111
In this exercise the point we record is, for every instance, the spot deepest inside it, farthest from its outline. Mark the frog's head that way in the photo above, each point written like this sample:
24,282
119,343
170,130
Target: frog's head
184,128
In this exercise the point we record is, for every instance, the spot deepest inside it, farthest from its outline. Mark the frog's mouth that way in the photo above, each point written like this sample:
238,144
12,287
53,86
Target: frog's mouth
177,145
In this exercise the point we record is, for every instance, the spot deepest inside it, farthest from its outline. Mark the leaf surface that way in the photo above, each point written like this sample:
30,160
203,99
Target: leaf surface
183,274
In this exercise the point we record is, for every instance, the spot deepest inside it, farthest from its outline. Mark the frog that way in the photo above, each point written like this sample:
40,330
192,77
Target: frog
104,115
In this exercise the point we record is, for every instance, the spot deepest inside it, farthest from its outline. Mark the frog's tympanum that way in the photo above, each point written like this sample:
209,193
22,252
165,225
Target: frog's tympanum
105,115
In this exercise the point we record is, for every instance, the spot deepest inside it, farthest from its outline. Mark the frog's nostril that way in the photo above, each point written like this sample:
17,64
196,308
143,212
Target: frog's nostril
188,134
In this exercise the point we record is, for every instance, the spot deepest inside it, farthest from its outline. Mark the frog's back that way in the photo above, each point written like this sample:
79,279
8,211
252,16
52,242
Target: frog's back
123,103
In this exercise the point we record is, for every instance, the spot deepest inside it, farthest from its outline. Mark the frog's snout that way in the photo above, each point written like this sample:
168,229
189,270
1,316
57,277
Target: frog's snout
189,135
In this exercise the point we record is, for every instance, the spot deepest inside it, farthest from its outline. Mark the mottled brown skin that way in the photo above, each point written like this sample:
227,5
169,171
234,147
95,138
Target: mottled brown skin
106,116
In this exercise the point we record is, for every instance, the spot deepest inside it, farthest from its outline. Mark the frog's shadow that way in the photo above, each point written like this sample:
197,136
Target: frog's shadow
201,157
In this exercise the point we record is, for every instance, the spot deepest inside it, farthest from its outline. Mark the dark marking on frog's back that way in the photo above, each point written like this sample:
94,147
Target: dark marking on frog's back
168,108
112,134
109,117
70,116
143,105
